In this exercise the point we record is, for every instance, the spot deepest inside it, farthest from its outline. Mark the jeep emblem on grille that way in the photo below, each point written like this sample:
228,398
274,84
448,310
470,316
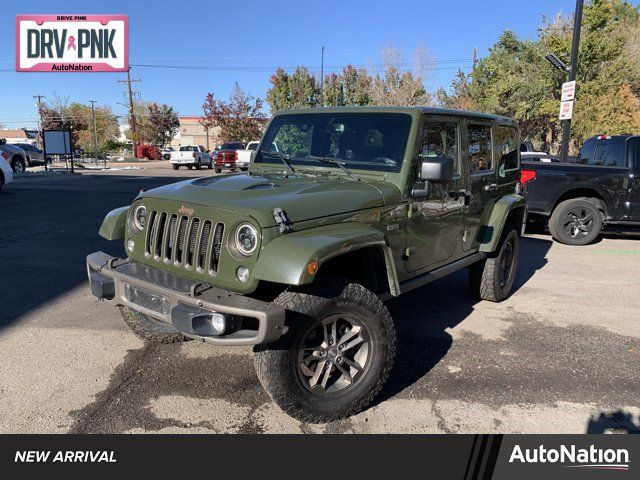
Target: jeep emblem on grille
186,211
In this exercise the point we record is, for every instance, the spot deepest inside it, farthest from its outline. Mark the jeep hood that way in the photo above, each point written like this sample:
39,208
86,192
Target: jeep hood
301,197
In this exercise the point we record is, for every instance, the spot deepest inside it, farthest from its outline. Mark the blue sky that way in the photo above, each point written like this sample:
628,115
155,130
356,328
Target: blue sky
257,37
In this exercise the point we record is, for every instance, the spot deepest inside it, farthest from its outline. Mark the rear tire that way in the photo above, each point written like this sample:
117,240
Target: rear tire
307,373
217,170
198,165
176,167
576,221
493,278
150,329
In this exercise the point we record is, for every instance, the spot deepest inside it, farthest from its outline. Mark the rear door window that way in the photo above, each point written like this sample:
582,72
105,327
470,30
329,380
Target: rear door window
480,151
507,149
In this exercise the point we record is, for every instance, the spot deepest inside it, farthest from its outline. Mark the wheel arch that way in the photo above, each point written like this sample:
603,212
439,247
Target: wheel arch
335,249
589,194
113,225
508,210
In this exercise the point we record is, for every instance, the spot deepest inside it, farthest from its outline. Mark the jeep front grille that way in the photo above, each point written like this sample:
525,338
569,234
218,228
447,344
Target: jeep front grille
192,243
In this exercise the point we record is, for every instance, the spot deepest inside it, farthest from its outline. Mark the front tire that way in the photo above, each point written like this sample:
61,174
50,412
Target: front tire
18,165
575,222
150,329
217,170
176,167
493,278
336,356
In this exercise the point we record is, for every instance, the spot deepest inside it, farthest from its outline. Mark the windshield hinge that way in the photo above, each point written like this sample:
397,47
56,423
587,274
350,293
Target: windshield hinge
283,222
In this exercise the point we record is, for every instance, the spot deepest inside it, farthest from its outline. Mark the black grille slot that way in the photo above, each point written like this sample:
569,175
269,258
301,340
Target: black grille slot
191,241
182,231
173,223
217,244
159,235
148,241
204,244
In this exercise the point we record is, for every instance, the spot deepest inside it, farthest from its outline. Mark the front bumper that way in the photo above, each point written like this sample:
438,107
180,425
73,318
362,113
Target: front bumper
184,303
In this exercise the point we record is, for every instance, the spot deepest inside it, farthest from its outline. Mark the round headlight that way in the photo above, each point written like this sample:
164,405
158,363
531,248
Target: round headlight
246,239
140,217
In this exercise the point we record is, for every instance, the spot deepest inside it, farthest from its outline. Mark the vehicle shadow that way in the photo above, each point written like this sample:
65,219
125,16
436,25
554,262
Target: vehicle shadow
616,422
49,225
423,316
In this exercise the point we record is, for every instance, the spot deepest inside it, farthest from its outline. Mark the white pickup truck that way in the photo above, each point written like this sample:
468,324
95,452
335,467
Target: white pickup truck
245,156
191,156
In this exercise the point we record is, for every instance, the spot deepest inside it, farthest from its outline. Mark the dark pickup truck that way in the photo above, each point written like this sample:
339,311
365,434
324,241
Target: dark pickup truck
601,190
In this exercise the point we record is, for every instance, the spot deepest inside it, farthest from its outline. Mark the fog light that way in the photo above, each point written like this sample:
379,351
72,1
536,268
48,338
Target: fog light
218,323
243,274
131,244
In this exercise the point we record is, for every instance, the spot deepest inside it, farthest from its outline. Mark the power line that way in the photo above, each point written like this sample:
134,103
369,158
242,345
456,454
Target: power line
128,81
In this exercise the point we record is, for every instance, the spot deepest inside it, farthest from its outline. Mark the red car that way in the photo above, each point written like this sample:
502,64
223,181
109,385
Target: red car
227,156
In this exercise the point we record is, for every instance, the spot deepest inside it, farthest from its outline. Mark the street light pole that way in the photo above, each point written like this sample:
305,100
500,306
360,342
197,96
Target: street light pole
95,131
575,47
38,99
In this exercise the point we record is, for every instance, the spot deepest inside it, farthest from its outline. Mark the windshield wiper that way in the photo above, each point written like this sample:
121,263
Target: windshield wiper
335,162
285,159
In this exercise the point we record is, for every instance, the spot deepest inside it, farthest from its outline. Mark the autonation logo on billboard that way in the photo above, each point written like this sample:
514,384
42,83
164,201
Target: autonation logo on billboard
72,43
589,458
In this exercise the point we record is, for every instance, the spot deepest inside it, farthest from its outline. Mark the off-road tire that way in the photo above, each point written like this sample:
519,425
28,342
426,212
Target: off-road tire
484,276
150,329
277,364
18,162
556,221
176,167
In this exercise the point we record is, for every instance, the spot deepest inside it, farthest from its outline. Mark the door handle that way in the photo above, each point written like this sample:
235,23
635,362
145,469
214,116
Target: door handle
491,188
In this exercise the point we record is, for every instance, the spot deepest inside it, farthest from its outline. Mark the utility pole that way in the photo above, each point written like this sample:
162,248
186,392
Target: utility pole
38,99
322,78
95,131
132,114
575,48
475,57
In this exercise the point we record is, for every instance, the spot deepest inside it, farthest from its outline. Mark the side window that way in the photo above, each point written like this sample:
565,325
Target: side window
480,155
586,153
440,139
507,148
610,154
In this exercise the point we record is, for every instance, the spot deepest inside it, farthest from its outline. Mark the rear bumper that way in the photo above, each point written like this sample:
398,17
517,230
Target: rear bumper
185,304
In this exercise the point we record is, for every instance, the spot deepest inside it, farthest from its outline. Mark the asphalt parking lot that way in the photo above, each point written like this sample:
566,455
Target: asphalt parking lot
562,355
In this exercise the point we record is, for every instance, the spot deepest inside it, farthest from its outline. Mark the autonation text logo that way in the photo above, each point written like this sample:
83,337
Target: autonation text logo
590,458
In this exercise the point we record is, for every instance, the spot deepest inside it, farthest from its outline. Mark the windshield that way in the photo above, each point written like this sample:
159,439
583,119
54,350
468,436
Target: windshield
366,141
232,146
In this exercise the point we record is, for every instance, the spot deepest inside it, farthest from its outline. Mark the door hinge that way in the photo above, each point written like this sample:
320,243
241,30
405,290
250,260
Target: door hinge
409,252
464,235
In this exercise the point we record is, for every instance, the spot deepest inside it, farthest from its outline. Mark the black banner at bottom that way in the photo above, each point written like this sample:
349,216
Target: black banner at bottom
459,457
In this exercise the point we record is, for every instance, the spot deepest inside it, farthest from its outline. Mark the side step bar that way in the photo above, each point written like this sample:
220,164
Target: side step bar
436,274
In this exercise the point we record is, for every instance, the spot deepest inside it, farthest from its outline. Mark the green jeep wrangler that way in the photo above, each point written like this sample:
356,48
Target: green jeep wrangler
297,256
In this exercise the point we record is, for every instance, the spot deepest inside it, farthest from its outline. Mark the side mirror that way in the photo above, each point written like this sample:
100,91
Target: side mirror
436,169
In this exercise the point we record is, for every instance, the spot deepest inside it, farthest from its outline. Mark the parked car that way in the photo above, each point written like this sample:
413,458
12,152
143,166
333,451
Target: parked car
538,157
577,200
227,157
166,153
34,155
191,156
6,172
246,154
299,264
17,156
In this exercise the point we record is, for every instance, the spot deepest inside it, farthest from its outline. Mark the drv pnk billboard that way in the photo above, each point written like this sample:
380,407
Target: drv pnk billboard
72,43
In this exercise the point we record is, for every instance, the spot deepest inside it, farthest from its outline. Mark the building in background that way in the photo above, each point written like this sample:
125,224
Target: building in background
191,132
21,135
